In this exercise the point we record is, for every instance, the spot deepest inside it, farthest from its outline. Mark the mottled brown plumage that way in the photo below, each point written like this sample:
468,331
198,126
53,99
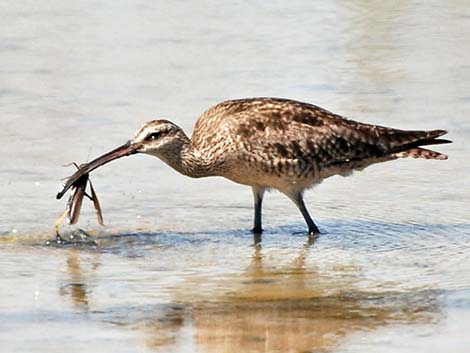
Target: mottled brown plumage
273,143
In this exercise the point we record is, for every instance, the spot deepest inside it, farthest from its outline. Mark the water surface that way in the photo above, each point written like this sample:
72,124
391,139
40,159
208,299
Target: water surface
176,268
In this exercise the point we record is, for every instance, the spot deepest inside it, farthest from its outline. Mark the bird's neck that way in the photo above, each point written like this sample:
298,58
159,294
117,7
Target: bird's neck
188,160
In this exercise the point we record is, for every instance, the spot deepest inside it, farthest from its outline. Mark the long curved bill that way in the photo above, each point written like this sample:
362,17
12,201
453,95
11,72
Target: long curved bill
125,150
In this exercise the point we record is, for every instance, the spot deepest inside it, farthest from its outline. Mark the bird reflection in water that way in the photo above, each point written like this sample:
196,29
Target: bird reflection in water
295,307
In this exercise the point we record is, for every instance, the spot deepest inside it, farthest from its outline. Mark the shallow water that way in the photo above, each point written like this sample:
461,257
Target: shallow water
176,268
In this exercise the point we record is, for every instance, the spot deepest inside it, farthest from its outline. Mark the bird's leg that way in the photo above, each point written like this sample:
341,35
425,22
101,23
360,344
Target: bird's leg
258,193
299,202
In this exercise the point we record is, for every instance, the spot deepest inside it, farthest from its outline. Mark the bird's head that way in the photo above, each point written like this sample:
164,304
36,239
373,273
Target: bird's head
160,138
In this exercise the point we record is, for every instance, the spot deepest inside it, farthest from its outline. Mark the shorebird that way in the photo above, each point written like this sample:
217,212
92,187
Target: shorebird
271,143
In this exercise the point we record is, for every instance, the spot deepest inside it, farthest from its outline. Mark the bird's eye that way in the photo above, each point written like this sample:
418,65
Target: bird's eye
154,135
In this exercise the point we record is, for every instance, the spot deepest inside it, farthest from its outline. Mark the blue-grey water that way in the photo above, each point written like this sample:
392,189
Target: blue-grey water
176,268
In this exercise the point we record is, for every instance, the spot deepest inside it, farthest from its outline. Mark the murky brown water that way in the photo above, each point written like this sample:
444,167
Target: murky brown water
176,268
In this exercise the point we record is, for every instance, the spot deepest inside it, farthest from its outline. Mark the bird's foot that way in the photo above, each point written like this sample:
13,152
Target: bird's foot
313,230
310,233
313,235
257,239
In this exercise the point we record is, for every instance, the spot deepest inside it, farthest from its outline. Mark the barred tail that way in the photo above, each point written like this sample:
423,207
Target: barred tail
416,139
421,153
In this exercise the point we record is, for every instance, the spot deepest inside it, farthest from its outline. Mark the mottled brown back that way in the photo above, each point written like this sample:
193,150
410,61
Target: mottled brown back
286,130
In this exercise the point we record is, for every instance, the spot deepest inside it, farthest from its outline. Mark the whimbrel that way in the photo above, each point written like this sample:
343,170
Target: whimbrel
271,143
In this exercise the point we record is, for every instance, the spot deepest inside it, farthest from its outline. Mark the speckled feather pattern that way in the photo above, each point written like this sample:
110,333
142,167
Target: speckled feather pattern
290,145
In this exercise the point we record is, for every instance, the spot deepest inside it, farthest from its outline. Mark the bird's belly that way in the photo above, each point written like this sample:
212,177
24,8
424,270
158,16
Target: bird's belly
293,177
284,182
